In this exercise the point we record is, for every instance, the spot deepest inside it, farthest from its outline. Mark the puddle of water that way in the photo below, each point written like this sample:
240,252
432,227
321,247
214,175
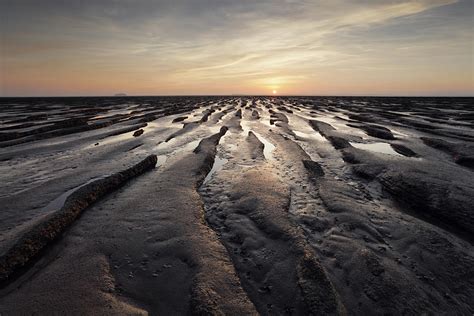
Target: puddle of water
300,126
57,203
160,160
333,122
189,146
314,135
218,165
186,147
343,116
399,133
268,147
382,148
152,126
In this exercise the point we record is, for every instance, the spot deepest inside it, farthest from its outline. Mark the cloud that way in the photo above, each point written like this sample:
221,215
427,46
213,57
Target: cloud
241,43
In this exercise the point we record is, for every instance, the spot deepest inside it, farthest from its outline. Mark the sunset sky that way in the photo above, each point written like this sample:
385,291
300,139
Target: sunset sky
312,47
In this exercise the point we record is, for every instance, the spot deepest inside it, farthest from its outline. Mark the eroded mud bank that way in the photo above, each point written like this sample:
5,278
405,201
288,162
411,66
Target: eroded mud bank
256,206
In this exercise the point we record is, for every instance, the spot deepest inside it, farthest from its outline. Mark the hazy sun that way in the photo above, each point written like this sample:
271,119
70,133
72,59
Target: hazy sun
274,92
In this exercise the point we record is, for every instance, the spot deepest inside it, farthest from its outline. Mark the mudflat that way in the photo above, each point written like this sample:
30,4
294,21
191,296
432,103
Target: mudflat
237,205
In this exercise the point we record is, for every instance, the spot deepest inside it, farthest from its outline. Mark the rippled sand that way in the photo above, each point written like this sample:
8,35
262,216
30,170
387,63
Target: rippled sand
245,205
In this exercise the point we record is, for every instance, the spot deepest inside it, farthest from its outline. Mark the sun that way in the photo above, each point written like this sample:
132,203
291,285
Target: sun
274,92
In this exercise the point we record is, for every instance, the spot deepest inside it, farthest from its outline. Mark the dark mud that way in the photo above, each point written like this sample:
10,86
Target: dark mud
257,205
42,234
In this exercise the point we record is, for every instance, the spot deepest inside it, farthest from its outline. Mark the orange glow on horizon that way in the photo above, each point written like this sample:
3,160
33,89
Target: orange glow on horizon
322,48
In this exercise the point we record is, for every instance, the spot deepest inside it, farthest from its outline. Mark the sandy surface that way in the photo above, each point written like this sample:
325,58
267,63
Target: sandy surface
255,206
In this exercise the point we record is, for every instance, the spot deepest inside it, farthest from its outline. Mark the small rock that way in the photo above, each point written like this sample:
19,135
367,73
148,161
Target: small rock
138,132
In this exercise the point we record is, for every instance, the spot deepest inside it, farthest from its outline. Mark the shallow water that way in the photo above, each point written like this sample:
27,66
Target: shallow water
218,165
268,147
382,148
166,146
189,146
313,135
58,203
160,160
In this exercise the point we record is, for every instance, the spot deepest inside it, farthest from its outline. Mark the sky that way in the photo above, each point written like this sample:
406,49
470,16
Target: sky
191,47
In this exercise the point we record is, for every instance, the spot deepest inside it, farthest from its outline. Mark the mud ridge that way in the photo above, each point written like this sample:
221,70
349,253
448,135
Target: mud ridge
42,234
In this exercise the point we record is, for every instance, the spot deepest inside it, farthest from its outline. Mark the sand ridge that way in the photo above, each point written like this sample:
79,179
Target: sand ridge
255,205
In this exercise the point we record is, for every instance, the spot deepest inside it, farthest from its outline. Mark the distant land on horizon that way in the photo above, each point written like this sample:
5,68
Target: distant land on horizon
239,95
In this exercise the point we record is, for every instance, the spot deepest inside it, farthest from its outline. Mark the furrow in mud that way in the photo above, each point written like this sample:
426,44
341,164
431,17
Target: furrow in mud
32,242
177,252
263,242
260,205
336,200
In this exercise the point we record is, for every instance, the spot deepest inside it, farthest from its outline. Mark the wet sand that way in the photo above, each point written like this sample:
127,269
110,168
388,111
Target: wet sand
237,205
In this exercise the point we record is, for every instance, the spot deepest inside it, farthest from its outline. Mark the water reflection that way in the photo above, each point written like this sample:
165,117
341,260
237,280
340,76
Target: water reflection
313,135
382,148
217,166
268,147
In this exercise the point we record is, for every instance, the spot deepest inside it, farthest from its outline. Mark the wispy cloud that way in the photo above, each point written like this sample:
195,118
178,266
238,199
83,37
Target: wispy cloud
244,46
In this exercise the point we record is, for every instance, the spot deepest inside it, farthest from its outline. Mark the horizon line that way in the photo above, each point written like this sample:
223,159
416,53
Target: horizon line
241,95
